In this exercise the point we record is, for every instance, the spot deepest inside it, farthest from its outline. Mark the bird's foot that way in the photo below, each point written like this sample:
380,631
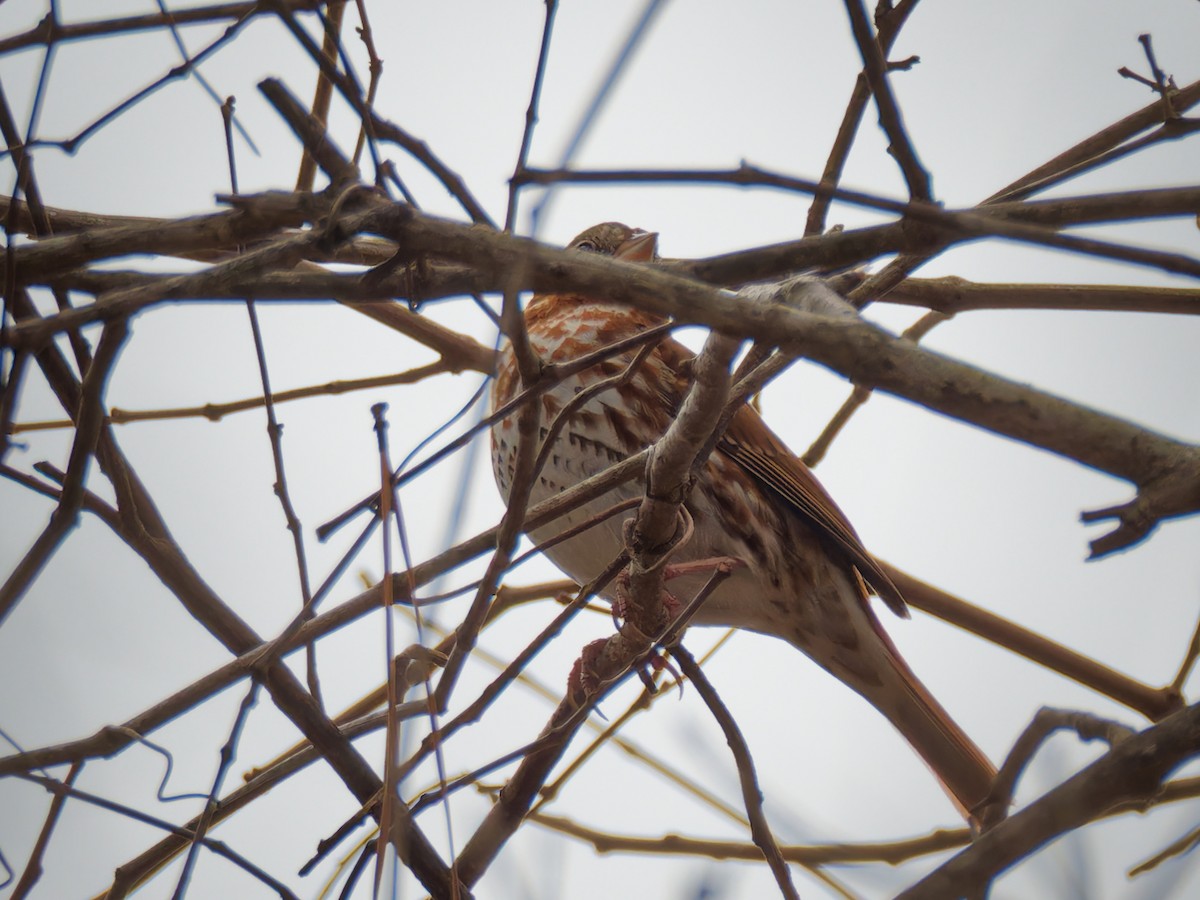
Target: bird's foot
622,601
584,678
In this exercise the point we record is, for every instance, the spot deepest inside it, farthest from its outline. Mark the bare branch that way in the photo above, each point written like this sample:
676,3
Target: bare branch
1132,772
951,295
875,66
763,838
1153,703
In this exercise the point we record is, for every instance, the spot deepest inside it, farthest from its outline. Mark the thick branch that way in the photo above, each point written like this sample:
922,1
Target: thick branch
1132,772
951,294
864,353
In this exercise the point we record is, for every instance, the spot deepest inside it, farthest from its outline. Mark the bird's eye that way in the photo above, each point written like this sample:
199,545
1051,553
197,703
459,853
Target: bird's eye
586,245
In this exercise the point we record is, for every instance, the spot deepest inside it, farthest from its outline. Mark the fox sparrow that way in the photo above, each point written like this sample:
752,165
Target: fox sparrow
804,573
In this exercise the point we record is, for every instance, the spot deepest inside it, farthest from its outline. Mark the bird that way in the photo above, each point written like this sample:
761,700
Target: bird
803,574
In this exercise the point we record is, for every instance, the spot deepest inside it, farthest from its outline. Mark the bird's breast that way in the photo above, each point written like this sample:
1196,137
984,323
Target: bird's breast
588,421
595,417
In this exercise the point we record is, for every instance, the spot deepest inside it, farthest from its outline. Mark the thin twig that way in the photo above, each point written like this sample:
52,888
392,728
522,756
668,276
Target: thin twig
275,436
387,805
205,820
335,11
33,868
50,31
551,375
349,88
764,839
1177,848
1189,661
860,395
524,478
888,21
214,412
311,132
219,847
87,437
900,146
109,740
1090,152
890,852
1046,722
72,144
231,121
474,710
531,115
375,69
1154,703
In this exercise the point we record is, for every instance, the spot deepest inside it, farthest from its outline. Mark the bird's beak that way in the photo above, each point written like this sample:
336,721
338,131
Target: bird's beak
641,247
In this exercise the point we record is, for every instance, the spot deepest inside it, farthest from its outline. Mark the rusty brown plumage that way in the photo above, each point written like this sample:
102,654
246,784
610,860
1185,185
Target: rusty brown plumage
806,576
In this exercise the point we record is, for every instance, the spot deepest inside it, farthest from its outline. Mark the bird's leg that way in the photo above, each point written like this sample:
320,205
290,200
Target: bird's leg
671,603
710,564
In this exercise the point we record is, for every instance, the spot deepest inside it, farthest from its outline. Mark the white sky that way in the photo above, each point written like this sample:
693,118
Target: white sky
1000,88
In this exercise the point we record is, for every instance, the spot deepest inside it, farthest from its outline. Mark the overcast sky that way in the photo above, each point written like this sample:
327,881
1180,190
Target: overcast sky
999,89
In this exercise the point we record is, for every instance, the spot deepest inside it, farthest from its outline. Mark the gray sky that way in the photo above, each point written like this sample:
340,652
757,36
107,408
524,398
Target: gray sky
1000,88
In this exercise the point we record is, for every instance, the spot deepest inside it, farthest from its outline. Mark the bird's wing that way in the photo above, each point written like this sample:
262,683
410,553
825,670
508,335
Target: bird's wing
753,446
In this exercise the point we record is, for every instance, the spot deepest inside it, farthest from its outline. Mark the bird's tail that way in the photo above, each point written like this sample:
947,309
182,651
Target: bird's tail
964,771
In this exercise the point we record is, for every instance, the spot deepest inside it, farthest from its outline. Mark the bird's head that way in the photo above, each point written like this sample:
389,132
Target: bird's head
618,241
